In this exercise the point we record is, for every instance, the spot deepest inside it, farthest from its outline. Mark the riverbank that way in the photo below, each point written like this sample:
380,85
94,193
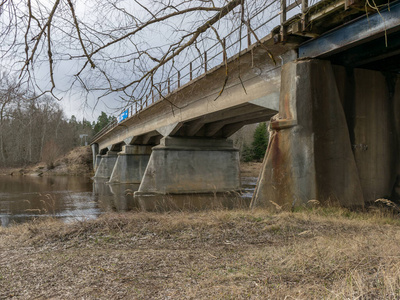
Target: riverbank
322,253
77,162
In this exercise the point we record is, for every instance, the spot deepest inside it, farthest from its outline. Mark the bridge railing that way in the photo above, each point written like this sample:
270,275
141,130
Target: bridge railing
262,21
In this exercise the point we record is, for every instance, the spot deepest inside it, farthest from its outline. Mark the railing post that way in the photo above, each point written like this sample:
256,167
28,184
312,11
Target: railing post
248,34
159,92
191,71
283,20
304,9
205,61
152,96
169,86
179,79
224,58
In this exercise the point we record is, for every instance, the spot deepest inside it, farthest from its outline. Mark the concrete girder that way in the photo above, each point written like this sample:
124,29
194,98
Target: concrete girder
170,129
117,147
230,129
359,31
193,127
211,129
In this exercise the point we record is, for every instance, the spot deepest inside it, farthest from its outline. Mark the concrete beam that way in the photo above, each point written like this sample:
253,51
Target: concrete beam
194,127
358,31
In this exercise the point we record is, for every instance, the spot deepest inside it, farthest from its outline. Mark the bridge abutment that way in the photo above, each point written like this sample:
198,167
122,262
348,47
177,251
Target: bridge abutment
130,164
185,166
309,155
106,165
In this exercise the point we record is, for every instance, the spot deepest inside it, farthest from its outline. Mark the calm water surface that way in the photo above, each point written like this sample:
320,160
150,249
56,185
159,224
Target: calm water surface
24,198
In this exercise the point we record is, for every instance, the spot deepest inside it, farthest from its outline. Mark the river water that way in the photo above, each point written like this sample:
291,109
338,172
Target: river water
24,198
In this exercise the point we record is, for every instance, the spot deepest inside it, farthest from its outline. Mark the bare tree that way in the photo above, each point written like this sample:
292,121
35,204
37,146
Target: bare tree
131,48
30,126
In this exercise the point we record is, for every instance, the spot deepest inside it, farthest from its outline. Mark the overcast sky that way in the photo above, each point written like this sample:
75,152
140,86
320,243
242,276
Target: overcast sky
100,17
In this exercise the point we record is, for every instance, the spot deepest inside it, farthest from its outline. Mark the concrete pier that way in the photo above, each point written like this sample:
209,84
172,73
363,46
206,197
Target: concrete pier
373,129
97,160
106,165
95,152
190,165
131,164
309,154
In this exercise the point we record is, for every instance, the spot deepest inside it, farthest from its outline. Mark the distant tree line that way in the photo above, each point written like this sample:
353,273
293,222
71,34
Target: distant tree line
259,145
34,129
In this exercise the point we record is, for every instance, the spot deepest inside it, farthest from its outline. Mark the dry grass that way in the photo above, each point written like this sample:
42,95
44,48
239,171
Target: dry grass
324,253
250,169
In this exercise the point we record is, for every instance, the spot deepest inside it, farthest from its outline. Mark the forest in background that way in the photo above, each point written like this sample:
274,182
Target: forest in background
34,129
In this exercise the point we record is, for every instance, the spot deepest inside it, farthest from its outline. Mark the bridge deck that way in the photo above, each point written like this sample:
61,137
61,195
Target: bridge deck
250,91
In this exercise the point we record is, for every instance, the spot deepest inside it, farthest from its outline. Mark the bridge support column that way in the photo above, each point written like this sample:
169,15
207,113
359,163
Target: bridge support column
191,166
95,152
96,162
372,125
309,155
106,165
131,164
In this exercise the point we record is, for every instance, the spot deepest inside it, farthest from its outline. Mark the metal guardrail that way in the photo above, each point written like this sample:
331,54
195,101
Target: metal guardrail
262,21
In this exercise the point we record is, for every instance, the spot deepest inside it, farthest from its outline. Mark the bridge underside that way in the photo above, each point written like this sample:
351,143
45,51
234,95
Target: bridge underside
336,138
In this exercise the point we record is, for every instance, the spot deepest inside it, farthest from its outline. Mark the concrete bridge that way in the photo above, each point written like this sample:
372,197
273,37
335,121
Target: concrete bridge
333,98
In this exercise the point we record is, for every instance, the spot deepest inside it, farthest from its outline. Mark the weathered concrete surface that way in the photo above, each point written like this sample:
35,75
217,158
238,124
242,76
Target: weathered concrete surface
96,162
396,110
184,166
251,95
106,165
375,136
95,152
309,154
131,164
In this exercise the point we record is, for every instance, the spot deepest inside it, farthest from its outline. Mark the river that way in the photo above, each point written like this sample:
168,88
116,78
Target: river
24,198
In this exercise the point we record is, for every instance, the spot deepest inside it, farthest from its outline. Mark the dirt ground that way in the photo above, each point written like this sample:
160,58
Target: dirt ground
241,254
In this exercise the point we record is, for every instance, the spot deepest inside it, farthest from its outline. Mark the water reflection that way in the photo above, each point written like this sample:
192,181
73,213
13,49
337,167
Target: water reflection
25,198
115,197
120,197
